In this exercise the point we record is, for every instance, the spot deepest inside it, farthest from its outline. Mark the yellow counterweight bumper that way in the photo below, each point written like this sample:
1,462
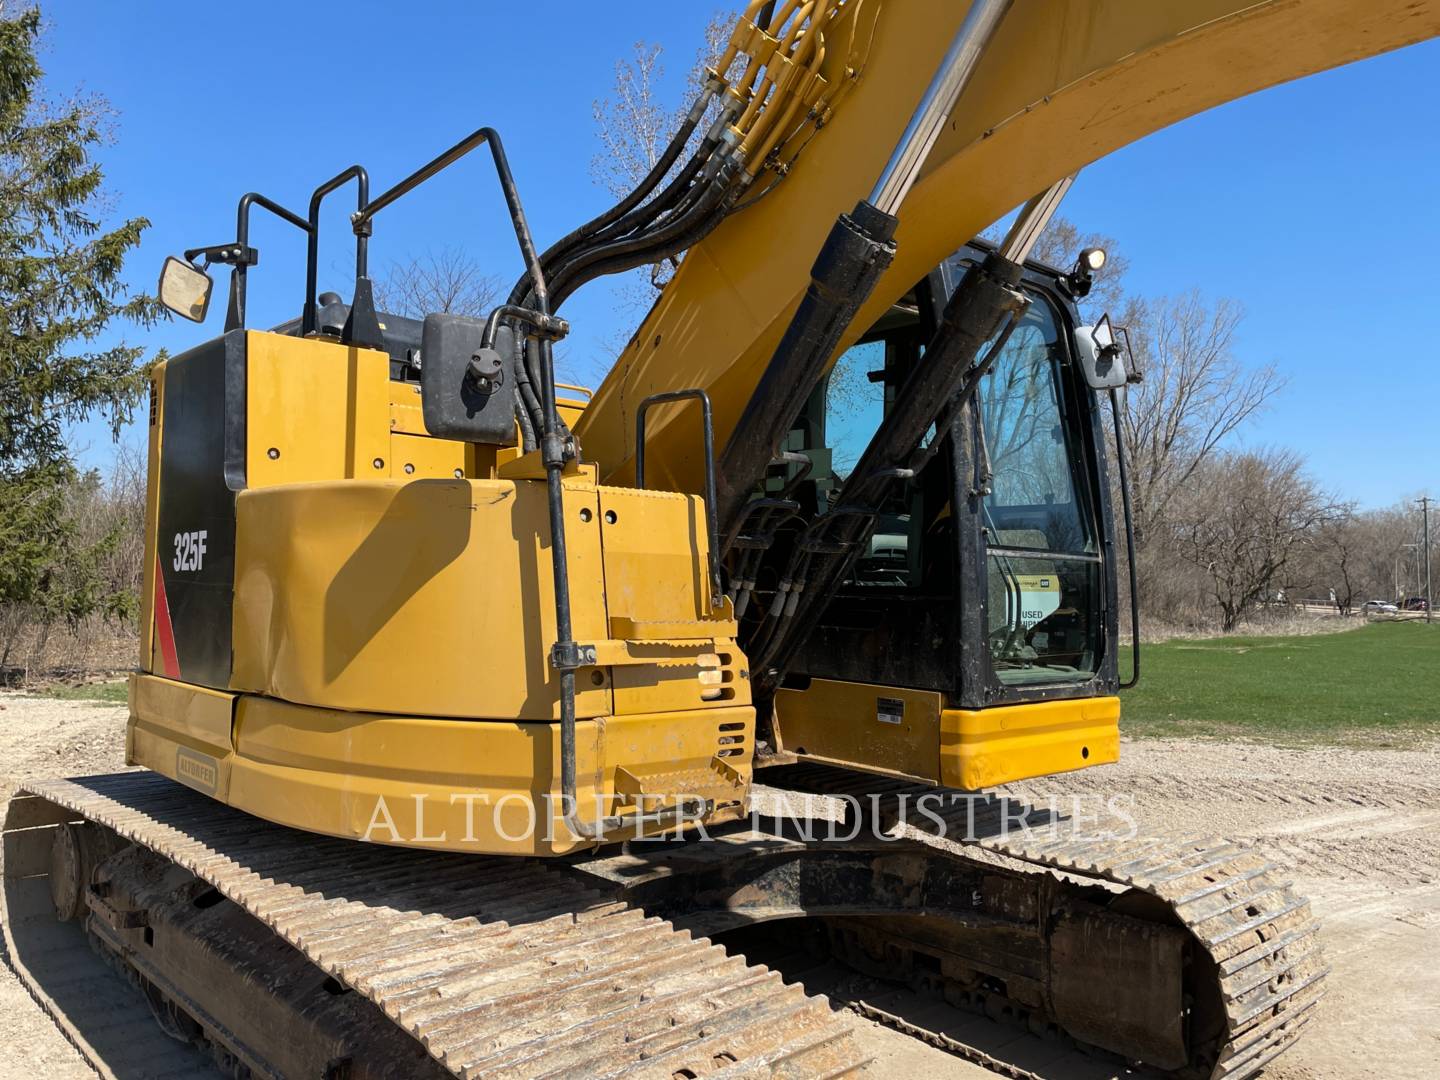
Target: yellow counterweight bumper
480,786
910,733
983,748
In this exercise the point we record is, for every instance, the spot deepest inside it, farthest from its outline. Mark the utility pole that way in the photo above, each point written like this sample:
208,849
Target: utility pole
1429,603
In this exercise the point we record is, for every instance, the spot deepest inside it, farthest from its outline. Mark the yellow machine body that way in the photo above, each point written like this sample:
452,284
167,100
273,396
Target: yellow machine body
1063,83
390,624
387,615
354,626
460,785
911,734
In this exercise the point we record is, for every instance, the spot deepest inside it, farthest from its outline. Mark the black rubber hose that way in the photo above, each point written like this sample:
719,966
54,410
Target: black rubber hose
527,424
856,253
679,232
613,220
648,183
555,262
525,388
675,196
529,378
982,309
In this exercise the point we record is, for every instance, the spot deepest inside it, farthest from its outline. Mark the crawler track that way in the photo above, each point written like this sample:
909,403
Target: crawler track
510,967
498,967
1258,936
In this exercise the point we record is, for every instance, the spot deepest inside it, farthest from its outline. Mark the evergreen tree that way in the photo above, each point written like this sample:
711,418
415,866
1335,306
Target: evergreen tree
61,294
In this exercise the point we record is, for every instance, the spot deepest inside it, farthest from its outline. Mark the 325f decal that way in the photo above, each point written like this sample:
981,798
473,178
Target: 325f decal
189,550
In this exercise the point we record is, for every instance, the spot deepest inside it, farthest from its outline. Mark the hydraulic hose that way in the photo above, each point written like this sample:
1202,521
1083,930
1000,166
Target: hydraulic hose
626,235
525,385
673,198
684,229
527,424
854,256
648,183
982,309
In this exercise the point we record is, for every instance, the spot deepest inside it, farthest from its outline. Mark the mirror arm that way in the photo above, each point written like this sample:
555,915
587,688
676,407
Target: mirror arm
235,307
235,310
1133,374
236,254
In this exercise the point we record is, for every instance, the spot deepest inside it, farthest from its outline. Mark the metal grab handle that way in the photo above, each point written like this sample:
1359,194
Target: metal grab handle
235,314
712,527
312,255
1124,464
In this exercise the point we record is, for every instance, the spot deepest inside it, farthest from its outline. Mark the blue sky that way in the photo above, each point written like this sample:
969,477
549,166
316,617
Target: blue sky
1311,203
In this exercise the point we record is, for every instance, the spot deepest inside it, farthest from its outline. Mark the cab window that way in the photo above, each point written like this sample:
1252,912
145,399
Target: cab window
1042,566
856,395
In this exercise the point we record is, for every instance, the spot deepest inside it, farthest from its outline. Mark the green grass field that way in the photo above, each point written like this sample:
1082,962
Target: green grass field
112,693
1376,686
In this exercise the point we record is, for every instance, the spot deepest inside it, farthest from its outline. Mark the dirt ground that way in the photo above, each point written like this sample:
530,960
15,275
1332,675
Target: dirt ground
39,738
1360,828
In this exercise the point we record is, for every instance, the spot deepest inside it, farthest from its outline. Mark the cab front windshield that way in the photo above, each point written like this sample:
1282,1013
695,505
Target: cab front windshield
1042,562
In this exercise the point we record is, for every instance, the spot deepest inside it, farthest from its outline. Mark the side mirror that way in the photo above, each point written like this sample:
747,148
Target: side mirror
185,289
1100,356
466,387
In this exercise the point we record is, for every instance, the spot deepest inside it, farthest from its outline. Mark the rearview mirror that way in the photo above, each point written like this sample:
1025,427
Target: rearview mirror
185,289
1100,355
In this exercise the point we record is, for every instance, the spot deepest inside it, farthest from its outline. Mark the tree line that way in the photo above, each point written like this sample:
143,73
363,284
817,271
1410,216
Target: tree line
68,539
1225,535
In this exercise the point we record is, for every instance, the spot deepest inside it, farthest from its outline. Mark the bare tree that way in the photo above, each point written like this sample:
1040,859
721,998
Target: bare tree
1195,394
448,281
1390,555
1338,557
632,124
1244,519
635,122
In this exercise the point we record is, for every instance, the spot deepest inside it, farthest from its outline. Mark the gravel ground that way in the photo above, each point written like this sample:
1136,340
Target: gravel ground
40,738
1360,828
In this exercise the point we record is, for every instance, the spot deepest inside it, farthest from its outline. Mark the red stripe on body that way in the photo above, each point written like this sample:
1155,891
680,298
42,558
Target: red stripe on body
163,627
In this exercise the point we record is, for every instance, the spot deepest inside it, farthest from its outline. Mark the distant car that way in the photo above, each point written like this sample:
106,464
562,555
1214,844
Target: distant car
1417,603
1379,607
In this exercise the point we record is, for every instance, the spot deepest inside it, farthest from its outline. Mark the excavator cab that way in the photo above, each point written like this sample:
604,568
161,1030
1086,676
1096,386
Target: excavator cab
989,581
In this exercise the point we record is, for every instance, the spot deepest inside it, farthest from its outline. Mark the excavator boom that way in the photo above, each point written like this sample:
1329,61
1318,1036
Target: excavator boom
1062,83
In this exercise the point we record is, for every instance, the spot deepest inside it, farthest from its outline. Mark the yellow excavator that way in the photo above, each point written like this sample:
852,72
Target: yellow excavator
455,680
